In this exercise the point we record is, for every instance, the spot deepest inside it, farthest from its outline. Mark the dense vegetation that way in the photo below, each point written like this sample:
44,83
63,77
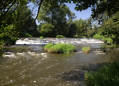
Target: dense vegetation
60,48
106,76
60,36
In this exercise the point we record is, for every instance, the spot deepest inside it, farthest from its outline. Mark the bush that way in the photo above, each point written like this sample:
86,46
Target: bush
60,36
86,49
28,35
41,37
76,36
104,39
48,46
97,36
61,48
109,40
106,76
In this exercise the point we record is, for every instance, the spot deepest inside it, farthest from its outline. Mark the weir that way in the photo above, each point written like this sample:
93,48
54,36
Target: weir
38,41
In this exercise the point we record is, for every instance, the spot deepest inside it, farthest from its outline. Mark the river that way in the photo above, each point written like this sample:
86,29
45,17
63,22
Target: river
29,65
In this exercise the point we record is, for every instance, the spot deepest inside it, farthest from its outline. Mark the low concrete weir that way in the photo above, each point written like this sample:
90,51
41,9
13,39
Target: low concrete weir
38,41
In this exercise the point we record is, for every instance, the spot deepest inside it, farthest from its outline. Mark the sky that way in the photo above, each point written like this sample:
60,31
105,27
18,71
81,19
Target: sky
83,14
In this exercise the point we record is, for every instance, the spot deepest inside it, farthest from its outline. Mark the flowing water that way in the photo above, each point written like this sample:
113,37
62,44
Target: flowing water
29,65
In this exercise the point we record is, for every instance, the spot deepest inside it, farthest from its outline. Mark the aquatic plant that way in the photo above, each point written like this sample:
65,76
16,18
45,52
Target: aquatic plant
48,46
86,49
61,48
106,76
60,36
41,37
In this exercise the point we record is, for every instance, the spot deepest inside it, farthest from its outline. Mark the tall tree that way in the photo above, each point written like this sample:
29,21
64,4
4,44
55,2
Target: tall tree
56,16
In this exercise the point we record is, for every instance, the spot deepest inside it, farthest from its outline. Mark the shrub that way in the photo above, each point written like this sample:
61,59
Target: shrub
104,39
97,36
41,37
86,49
48,46
106,76
76,36
28,35
61,48
60,36
109,40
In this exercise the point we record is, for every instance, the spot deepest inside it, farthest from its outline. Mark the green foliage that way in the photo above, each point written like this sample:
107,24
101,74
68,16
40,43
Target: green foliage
84,27
106,76
105,39
76,36
60,36
86,49
41,37
28,35
48,46
97,36
47,29
60,48
109,40
56,16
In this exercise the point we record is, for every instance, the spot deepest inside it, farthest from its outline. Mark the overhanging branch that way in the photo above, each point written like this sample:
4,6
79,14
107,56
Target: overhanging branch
38,10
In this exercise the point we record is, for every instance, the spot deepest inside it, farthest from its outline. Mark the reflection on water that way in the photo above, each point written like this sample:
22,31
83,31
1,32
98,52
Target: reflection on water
31,66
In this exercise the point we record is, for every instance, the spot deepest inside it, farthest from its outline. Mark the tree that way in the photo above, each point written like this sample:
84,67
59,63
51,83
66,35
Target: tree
56,16
47,29
81,27
71,28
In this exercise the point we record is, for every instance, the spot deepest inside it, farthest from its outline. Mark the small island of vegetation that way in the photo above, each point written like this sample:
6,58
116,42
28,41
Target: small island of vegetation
59,48
86,49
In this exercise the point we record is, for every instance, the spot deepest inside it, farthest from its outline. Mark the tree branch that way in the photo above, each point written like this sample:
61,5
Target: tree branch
38,10
8,9
6,5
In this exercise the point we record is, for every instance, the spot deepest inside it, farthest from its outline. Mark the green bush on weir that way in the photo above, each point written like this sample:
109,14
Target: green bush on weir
41,37
97,36
60,48
60,36
105,39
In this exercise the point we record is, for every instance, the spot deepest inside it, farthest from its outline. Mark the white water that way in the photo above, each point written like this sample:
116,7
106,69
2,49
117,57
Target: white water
38,41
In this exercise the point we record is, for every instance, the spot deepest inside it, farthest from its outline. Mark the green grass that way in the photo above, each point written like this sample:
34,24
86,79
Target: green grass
48,46
106,76
61,48
86,49
60,36
41,37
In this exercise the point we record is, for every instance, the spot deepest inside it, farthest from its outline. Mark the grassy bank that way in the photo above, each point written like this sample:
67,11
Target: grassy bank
106,76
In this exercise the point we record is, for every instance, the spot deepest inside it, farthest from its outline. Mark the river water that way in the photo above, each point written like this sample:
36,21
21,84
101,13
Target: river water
29,65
